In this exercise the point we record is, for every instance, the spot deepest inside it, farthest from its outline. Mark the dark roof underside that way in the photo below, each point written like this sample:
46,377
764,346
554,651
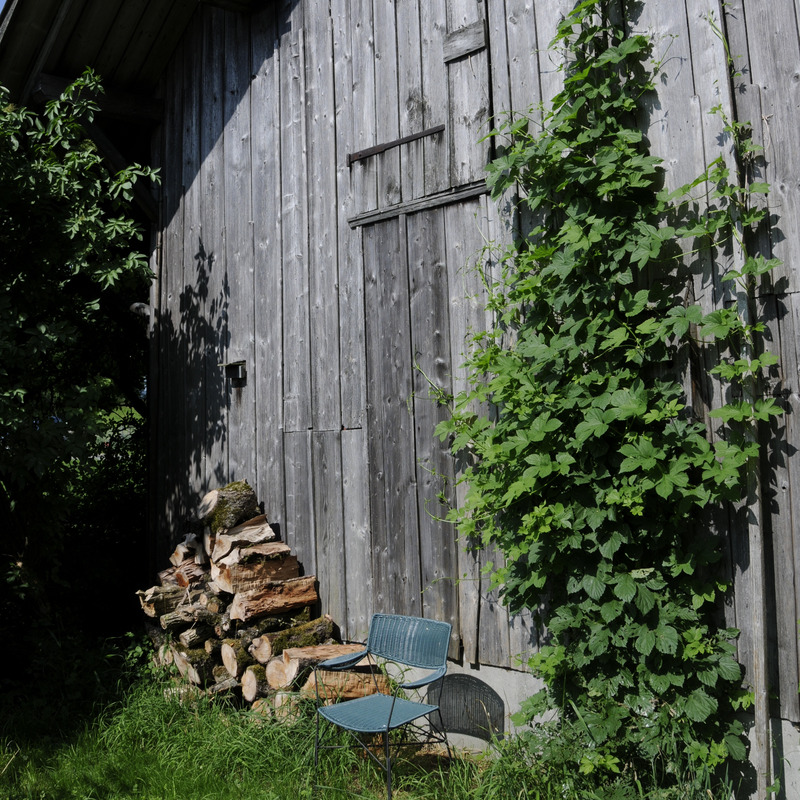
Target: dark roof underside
128,42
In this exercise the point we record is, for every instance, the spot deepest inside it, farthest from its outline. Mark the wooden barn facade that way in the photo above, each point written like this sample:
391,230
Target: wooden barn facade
319,264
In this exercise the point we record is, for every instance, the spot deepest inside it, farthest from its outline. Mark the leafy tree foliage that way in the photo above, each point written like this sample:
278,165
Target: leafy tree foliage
591,474
70,351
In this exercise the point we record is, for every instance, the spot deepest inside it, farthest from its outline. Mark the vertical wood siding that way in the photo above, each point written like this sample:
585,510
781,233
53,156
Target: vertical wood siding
350,289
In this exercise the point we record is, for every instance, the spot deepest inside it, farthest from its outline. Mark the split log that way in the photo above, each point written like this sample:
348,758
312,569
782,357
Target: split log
294,664
254,683
196,666
276,597
196,636
256,531
335,686
159,600
235,656
247,569
189,572
190,548
269,645
167,577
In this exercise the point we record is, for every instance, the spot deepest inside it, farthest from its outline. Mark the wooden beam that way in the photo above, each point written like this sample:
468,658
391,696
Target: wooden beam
421,204
469,39
120,105
52,36
381,148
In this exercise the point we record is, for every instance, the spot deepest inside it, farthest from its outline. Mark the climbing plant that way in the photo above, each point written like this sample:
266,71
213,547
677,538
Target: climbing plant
590,470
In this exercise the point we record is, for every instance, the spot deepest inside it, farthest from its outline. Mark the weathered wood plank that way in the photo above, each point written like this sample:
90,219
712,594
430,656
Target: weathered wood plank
298,527
468,82
238,210
436,101
323,257
430,343
351,274
393,499
210,253
410,97
357,535
387,116
777,493
463,223
192,300
774,56
268,285
329,522
465,40
170,428
364,173
296,323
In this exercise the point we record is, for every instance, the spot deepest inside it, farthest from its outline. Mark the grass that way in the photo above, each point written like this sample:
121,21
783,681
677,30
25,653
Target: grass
107,733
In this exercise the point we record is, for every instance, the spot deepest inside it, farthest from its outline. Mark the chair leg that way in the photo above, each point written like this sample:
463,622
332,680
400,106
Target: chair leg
388,766
316,743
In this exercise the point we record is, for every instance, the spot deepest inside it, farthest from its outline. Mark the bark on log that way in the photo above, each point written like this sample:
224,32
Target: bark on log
335,686
185,616
223,687
269,645
196,636
235,656
277,597
254,683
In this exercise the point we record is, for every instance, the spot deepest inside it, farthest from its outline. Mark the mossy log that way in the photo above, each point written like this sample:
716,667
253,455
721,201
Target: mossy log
224,508
270,645
276,597
196,666
254,683
235,656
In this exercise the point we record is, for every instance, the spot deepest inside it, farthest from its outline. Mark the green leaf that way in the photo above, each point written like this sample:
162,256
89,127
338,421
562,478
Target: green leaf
625,588
645,640
594,587
700,706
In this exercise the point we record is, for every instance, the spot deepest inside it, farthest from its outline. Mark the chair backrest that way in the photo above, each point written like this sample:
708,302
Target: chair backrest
414,641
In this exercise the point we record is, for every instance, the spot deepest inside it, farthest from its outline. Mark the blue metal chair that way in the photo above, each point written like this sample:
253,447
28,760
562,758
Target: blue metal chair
406,641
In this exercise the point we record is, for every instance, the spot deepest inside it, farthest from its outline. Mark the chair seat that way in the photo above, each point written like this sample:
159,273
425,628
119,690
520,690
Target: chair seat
370,714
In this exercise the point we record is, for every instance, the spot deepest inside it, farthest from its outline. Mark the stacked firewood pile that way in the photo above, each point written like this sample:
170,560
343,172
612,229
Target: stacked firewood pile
234,614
